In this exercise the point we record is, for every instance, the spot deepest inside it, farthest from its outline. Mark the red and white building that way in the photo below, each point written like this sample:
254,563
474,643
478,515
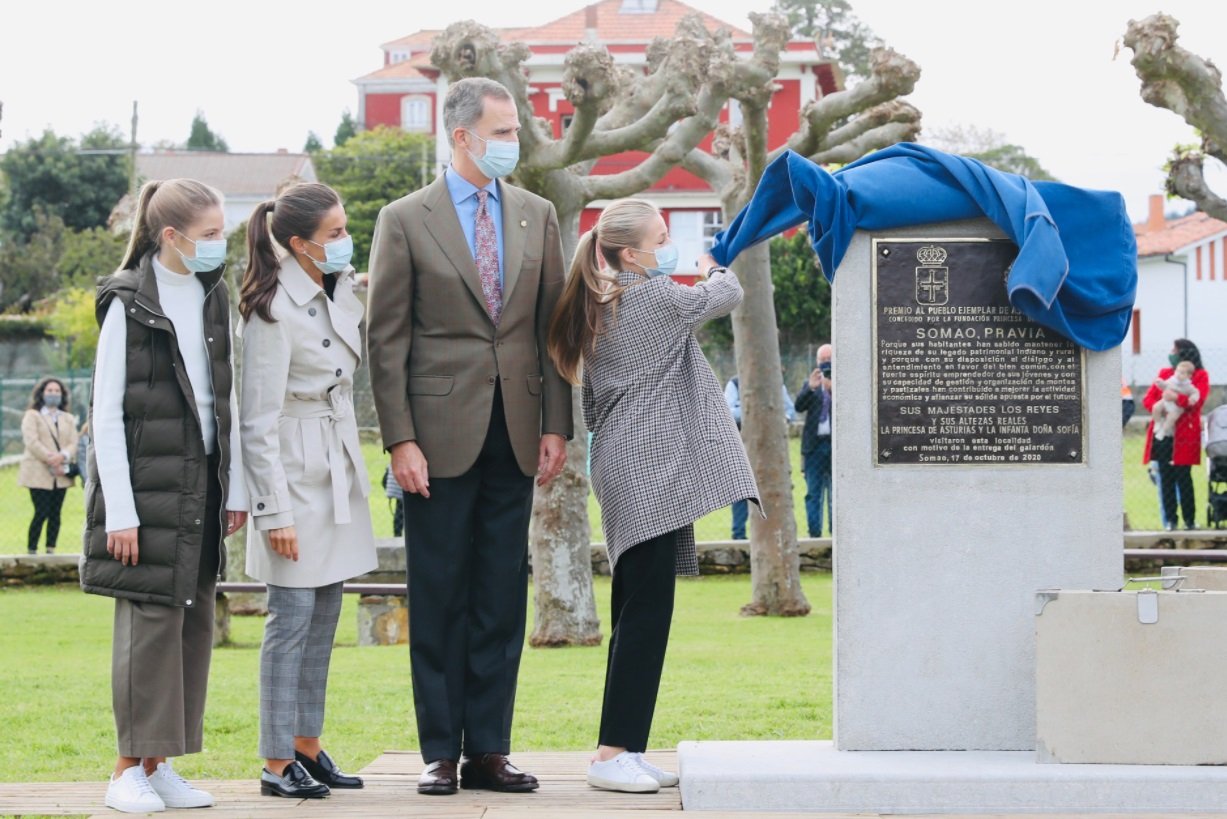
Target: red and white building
1182,292
408,92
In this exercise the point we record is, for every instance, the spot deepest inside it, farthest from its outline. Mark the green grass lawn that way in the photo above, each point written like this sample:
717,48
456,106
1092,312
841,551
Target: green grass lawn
1140,499
726,677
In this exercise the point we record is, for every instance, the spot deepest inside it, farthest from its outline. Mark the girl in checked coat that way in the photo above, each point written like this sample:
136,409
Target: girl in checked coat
308,485
665,450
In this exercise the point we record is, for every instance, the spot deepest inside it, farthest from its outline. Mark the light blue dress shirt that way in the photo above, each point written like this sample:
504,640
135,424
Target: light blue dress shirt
464,198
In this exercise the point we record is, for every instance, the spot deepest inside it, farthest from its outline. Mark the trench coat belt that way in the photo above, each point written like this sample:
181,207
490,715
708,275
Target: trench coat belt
335,409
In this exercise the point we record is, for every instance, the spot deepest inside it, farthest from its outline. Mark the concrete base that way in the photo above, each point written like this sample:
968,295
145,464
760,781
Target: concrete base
813,776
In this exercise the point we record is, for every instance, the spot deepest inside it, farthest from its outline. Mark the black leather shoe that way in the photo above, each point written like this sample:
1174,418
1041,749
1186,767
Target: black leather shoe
494,772
295,783
325,771
439,778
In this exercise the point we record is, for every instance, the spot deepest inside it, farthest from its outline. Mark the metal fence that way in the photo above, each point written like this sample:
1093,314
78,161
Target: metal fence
1141,494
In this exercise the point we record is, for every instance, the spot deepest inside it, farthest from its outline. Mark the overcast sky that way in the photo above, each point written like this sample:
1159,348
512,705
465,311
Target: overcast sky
266,72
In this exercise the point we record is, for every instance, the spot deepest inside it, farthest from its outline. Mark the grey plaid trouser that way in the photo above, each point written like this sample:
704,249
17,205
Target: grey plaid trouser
294,660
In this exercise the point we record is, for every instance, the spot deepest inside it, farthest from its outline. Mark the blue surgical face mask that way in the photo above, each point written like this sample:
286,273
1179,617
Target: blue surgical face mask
210,254
337,254
52,399
500,159
666,260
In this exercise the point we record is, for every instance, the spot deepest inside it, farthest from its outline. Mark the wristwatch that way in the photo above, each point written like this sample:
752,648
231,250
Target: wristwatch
713,269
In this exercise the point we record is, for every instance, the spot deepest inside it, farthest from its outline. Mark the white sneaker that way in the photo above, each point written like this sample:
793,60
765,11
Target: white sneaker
132,793
175,790
622,773
665,778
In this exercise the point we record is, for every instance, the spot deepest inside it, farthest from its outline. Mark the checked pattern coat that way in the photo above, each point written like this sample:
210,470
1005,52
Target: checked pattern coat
665,450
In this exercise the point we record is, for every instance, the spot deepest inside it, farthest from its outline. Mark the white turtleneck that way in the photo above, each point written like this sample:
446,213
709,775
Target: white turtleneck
182,300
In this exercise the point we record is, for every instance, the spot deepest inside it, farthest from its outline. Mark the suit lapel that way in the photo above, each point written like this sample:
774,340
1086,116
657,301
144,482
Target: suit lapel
513,237
443,225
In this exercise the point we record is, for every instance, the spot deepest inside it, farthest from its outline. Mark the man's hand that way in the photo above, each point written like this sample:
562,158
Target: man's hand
234,521
706,263
552,456
815,379
121,545
409,468
284,542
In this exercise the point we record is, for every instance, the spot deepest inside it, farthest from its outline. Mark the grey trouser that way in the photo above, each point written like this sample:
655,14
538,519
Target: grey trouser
160,663
294,660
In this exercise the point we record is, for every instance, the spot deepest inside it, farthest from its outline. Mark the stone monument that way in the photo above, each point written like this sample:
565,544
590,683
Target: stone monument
977,459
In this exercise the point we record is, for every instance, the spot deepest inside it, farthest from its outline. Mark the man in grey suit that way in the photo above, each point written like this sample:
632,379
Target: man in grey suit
465,274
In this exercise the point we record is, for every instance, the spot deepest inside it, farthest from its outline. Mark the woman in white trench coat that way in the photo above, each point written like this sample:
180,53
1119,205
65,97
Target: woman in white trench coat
311,522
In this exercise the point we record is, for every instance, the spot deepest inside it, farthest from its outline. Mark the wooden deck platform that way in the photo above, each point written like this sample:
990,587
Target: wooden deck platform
391,791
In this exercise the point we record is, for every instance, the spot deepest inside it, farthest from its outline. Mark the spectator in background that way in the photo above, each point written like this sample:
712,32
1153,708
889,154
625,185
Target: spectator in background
1176,454
1126,403
48,466
814,400
732,396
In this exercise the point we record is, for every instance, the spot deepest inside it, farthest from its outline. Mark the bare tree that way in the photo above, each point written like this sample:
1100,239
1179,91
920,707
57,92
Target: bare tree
1188,85
840,127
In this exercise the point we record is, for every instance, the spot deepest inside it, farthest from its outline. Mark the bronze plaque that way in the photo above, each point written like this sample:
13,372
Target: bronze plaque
960,376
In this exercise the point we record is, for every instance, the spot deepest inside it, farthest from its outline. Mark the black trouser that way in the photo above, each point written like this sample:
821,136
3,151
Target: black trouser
47,505
467,548
1173,480
642,610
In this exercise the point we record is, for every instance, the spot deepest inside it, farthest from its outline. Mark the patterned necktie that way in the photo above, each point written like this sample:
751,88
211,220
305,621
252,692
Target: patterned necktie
487,258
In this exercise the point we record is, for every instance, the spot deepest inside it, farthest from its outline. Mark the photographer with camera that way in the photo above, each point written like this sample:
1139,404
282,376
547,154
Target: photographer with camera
49,464
814,400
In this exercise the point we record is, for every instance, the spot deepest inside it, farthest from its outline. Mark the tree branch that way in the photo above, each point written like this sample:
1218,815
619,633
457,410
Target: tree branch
1186,178
879,115
1176,79
1190,86
669,152
652,125
869,141
894,75
714,171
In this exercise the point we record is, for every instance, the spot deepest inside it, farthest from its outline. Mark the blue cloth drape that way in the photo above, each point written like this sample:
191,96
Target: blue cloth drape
1076,270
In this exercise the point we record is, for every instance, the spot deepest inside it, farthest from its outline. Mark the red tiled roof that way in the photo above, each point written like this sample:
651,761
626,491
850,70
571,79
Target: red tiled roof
411,68
1176,233
612,25
417,38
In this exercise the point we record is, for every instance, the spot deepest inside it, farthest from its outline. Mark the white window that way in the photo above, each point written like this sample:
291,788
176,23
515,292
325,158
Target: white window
693,231
735,118
712,224
415,113
639,6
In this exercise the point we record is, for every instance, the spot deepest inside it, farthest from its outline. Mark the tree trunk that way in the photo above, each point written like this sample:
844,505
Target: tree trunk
560,537
775,568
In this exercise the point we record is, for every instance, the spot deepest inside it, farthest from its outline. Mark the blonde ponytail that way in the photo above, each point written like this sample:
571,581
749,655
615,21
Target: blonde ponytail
579,317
